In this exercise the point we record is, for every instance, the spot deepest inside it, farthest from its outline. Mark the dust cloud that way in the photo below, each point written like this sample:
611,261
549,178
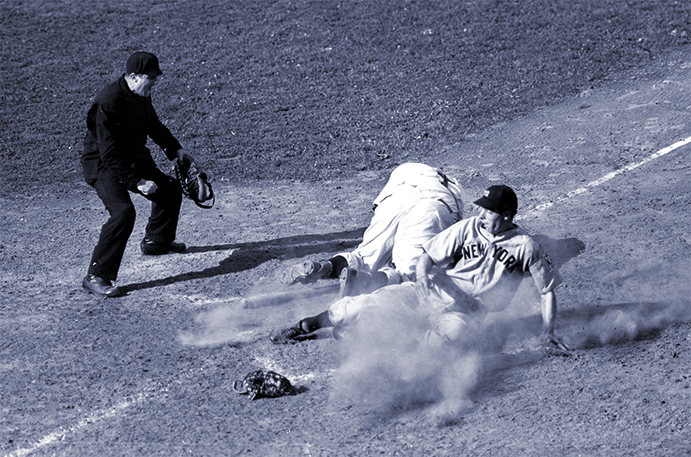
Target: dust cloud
230,324
390,366
646,300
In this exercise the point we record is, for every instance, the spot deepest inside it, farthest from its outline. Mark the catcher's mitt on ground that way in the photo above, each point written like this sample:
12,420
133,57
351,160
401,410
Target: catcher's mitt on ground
195,184
259,384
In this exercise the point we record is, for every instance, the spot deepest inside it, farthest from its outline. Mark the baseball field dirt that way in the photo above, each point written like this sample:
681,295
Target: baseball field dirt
602,177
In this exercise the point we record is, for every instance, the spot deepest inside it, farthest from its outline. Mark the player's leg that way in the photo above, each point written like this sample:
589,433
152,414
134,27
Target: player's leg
373,252
344,313
301,331
357,282
425,220
448,328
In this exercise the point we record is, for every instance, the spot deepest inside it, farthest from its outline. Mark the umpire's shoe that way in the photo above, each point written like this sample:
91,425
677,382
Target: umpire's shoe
149,247
100,286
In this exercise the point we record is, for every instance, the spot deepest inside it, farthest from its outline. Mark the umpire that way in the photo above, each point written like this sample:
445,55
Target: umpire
116,161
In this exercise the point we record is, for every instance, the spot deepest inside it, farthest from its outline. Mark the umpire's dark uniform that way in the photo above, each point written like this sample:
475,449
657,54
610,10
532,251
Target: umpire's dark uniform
115,159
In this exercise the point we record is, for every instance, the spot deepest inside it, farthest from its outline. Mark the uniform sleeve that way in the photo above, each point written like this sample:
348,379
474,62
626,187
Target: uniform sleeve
543,271
160,134
443,246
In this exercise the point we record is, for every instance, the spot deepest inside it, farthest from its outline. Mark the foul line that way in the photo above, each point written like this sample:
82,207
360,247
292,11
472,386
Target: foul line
90,419
612,175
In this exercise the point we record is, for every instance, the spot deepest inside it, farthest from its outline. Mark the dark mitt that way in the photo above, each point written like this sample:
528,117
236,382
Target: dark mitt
259,384
195,184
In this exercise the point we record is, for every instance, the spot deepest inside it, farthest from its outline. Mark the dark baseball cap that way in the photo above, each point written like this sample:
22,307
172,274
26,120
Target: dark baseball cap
143,63
499,199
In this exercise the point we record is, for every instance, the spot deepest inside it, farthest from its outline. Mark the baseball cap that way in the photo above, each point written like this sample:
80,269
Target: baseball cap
141,63
498,199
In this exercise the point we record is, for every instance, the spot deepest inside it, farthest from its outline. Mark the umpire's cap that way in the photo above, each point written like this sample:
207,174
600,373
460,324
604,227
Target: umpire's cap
141,63
499,199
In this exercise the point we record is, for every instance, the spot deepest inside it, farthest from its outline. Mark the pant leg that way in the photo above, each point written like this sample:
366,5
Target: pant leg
165,209
374,251
449,327
419,224
107,255
347,310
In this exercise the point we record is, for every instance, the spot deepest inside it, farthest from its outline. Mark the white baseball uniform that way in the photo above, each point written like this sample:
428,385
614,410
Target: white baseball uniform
417,203
481,272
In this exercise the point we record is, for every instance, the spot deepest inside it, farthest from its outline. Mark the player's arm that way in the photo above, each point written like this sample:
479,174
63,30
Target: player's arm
549,316
549,312
422,269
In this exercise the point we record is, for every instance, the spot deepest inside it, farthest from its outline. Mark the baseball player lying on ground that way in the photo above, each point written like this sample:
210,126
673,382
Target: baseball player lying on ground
471,268
417,202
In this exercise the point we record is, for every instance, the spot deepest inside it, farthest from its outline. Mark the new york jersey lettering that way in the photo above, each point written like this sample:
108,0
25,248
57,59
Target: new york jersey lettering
477,250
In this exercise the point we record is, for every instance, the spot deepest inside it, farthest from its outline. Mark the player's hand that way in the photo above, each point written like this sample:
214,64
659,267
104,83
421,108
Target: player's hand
552,340
184,156
146,187
422,287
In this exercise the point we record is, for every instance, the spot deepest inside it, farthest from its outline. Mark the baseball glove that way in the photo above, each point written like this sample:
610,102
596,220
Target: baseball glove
259,384
195,184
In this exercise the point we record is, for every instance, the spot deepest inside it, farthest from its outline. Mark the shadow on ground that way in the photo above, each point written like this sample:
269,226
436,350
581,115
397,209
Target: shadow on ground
245,256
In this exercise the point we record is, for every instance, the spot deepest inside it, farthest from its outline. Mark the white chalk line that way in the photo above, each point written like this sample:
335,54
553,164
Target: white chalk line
90,419
105,414
609,176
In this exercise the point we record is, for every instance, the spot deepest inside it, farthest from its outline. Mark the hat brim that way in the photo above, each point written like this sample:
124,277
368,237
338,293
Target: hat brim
489,204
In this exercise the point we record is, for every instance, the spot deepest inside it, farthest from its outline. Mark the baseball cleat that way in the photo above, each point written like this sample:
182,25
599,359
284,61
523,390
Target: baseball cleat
306,273
292,334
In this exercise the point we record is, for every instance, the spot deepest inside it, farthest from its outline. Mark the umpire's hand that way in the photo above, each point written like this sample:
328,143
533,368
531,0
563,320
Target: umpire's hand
184,156
146,187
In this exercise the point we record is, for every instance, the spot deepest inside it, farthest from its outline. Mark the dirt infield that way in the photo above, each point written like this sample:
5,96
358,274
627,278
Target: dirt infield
300,109
151,373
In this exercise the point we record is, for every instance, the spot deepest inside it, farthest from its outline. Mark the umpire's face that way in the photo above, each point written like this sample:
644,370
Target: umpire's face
143,84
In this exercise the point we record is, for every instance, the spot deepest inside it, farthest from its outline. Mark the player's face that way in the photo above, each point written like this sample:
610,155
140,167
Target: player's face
494,223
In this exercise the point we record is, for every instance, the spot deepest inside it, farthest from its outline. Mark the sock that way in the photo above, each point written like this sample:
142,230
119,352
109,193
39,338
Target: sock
339,263
321,320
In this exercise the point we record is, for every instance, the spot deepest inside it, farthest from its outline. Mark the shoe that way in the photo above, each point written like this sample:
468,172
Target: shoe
149,247
292,334
306,273
100,286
